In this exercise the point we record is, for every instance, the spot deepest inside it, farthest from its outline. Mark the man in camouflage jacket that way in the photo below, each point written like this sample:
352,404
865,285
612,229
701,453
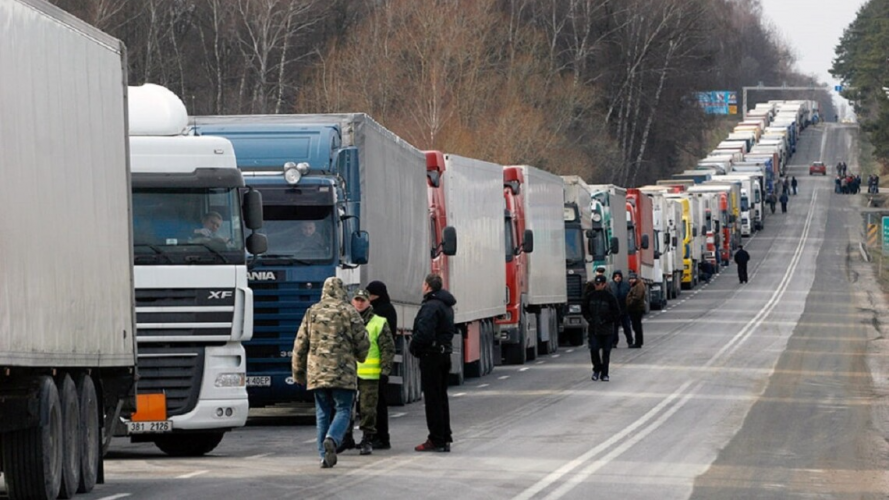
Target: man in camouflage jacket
331,341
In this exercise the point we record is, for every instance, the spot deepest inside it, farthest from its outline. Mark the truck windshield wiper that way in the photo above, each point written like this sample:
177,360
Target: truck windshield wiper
286,259
157,253
198,258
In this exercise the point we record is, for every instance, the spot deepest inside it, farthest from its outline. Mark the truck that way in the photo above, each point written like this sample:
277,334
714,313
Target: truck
667,272
642,261
193,306
751,202
355,181
611,202
465,205
535,203
689,232
67,339
583,246
723,227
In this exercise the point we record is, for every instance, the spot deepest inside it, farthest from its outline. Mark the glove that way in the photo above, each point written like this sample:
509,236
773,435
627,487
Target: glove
384,380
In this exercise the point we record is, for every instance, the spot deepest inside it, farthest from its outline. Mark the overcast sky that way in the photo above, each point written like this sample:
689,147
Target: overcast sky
813,29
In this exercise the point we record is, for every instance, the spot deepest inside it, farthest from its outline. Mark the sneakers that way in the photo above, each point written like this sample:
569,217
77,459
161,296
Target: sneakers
595,376
605,378
365,448
430,446
329,453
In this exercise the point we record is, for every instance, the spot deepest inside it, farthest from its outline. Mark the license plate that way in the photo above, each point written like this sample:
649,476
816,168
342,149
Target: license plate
259,381
146,427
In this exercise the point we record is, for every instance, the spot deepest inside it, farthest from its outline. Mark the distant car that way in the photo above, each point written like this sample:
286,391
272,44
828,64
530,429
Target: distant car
817,168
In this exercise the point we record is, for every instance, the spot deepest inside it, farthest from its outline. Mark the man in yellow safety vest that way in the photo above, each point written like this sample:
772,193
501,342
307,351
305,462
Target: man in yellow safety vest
379,361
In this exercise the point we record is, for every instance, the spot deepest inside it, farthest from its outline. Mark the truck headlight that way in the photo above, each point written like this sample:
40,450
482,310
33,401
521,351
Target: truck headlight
293,172
231,380
574,309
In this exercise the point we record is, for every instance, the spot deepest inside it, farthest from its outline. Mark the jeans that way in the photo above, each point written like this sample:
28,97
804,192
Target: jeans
597,343
328,401
434,372
628,332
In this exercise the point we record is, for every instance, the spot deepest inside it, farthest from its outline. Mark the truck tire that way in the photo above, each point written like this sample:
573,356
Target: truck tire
516,354
72,430
189,445
32,458
91,437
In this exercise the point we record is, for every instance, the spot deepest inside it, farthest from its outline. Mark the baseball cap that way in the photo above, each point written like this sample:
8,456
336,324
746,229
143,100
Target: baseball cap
600,279
632,276
361,294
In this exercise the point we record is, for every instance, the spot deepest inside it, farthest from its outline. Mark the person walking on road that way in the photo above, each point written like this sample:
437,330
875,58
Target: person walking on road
783,199
772,200
741,259
330,342
620,288
432,343
636,308
599,308
379,299
379,361
793,184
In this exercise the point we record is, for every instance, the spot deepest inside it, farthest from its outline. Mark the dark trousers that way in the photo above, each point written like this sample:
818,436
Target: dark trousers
742,272
383,411
784,208
636,320
628,332
600,343
434,370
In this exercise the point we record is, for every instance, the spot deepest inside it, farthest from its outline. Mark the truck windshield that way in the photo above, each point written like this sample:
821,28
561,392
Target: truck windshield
745,204
573,246
193,226
303,234
631,239
600,248
510,240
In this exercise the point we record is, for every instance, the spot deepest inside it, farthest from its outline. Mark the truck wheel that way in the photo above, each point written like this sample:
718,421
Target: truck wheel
90,439
188,445
575,337
71,436
32,458
488,342
516,354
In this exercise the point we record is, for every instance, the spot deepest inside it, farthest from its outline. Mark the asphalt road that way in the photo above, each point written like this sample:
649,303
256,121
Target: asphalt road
772,389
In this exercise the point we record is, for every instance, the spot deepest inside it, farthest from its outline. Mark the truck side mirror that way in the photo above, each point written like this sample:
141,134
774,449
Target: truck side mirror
644,242
253,209
674,242
449,240
694,232
528,241
614,248
257,243
657,255
360,247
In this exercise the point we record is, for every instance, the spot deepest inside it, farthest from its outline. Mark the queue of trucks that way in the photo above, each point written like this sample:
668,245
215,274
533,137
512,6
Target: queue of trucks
177,310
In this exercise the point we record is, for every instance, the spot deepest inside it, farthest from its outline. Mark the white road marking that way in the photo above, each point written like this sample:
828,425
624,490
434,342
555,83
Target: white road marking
397,414
192,474
633,432
540,362
554,356
524,369
483,385
262,455
114,497
503,377
457,395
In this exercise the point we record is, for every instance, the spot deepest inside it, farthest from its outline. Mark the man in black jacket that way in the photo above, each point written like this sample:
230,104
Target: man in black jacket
741,259
600,309
432,343
379,299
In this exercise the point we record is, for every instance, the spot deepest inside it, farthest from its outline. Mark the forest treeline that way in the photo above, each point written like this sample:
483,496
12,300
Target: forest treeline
862,65
600,88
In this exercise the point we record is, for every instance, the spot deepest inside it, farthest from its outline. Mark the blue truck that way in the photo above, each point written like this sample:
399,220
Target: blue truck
329,184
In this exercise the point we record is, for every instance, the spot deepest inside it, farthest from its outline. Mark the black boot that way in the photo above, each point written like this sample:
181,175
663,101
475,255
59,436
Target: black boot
347,444
366,446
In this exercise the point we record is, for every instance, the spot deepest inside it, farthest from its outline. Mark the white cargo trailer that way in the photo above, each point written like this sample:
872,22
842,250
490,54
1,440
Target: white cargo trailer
544,210
67,333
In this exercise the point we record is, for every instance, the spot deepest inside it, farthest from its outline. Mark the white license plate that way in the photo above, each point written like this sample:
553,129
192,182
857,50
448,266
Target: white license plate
259,381
146,427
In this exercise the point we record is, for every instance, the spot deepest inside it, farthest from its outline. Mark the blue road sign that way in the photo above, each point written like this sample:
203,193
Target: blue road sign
838,88
885,235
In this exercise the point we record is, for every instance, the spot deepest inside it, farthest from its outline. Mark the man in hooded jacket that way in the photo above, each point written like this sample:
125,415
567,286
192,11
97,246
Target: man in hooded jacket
432,343
331,341
600,309
382,305
620,289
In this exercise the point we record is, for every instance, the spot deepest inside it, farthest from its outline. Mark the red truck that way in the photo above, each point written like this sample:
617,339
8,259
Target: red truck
641,251
465,204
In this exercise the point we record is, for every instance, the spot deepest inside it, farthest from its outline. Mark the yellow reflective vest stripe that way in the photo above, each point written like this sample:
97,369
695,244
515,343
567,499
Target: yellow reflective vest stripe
370,369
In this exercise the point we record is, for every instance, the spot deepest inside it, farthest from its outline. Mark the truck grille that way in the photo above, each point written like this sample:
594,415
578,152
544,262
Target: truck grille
184,312
574,286
278,310
174,370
